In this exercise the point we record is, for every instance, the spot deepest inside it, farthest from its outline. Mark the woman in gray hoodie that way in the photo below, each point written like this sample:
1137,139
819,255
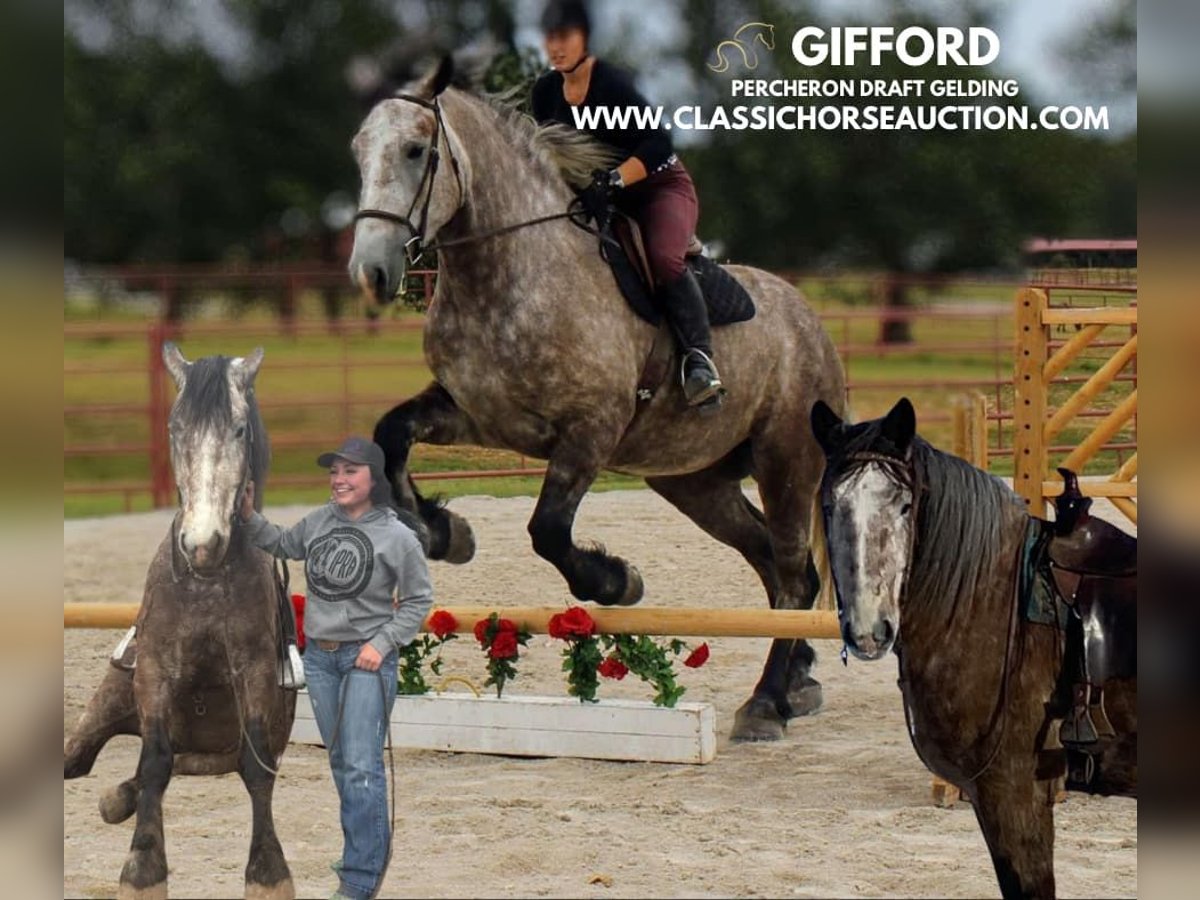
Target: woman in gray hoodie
368,594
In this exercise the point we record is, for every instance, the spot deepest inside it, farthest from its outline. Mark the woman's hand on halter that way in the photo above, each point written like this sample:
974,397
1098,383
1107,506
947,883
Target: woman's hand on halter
247,509
368,658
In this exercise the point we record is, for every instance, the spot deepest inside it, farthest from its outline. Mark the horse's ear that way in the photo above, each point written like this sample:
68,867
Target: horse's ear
824,420
246,367
900,424
175,363
437,80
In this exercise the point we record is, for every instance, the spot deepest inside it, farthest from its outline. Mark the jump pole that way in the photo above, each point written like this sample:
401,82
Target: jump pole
668,621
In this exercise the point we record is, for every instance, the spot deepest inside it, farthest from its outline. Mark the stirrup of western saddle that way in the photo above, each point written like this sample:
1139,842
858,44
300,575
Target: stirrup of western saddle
1088,721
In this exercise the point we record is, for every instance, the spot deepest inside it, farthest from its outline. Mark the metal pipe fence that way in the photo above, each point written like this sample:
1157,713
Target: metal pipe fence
971,347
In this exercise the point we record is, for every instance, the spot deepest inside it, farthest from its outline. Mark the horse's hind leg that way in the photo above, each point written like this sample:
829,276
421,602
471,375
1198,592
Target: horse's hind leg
145,873
267,874
110,712
714,500
431,417
1016,816
787,483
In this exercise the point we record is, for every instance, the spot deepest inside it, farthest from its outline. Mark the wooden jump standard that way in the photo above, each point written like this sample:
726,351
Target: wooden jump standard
673,622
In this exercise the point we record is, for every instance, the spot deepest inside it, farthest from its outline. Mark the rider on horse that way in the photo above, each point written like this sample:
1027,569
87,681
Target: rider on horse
651,185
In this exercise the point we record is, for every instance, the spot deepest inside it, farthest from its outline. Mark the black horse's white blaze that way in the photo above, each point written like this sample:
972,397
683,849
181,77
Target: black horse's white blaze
870,539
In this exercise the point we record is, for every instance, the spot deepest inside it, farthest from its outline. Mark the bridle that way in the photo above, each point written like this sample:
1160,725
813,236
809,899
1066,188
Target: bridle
416,247
907,478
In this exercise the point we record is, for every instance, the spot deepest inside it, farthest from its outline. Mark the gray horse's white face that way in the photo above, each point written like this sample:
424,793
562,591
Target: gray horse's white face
209,454
870,540
392,149
867,503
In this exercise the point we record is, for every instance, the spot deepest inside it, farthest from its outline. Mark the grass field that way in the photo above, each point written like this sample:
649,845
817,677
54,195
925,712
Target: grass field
315,386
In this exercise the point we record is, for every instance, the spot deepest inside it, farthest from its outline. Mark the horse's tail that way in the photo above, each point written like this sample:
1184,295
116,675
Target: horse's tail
819,548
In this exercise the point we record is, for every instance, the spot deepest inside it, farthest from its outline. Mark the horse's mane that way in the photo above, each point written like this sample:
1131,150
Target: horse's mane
556,149
206,400
961,520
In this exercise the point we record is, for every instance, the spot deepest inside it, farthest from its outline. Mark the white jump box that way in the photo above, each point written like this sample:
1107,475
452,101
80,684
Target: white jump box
543,726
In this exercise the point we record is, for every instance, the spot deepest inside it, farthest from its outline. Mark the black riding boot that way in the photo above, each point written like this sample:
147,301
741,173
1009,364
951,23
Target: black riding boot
688,316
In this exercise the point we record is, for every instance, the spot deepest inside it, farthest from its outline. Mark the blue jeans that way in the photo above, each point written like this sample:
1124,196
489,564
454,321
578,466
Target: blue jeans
355,755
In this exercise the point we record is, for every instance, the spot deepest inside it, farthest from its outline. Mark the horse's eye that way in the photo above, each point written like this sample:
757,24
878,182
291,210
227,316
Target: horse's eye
240,433
415,151
905,508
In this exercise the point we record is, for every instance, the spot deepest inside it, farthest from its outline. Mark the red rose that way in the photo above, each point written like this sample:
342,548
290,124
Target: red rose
481,628
504,645
575,622
298,608
442,623
697,657
506,625
611,667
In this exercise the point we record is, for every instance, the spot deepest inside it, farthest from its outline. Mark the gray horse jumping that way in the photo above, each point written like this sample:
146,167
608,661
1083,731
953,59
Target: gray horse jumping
204,694
534,350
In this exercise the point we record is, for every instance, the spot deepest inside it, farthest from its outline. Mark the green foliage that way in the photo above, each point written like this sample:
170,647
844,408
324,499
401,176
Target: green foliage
648,659
580,660
410,675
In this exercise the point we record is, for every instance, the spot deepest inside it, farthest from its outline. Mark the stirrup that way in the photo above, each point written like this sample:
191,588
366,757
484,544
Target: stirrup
291,669
121,657
711,392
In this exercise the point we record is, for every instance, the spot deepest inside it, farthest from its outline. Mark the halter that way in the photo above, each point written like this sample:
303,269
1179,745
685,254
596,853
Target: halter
416,247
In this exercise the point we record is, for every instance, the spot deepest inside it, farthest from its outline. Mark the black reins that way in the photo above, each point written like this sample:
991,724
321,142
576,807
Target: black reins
416,247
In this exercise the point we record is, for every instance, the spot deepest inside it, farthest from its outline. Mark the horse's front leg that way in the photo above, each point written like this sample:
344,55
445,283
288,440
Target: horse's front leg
267,873
145,872
1016,815
591,574
431,417
111,711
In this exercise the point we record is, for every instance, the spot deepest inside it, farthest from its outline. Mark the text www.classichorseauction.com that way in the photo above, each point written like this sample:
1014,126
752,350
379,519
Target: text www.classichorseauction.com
973,47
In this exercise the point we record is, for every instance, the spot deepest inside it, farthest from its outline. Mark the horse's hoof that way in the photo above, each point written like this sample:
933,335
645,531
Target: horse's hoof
634,587
461,546
281,890
757,720
805,699
119,803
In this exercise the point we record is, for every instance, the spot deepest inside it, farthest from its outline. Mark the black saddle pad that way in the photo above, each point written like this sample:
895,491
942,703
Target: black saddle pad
727,300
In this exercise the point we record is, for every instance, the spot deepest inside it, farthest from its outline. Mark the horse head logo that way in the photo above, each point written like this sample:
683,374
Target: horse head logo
743,42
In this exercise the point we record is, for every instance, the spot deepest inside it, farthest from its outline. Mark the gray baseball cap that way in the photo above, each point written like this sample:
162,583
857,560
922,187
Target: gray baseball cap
356,450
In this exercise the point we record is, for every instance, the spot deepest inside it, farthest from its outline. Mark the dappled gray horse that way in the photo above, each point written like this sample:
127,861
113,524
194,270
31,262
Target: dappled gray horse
204,694
534,350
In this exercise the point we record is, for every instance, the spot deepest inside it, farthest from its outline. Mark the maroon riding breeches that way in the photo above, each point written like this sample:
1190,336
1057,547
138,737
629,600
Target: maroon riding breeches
665,207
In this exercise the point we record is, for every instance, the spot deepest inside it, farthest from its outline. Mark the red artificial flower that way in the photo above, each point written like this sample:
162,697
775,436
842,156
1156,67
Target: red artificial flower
443,623
575,622
611,667
298,608
504,645
697,657
481,628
